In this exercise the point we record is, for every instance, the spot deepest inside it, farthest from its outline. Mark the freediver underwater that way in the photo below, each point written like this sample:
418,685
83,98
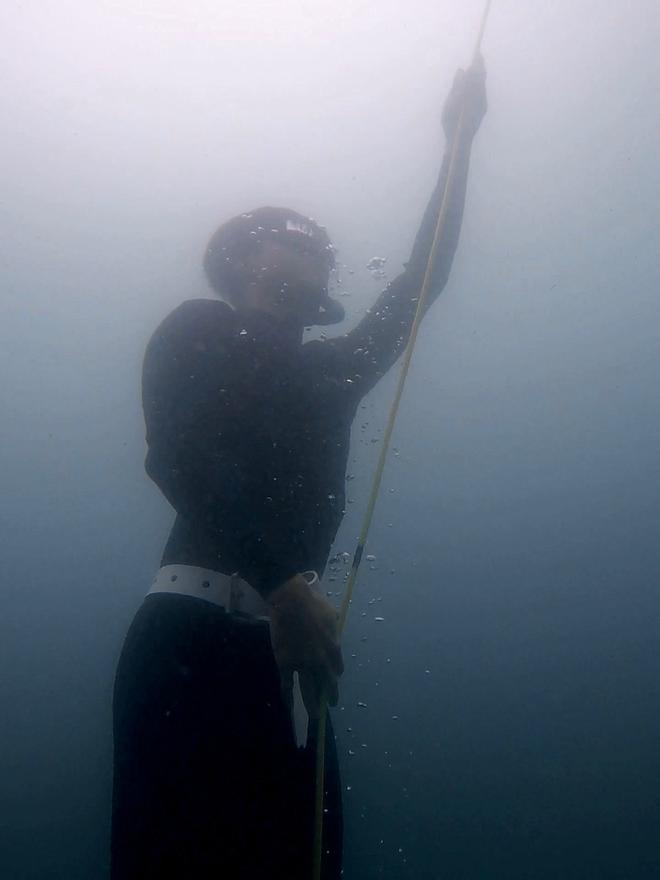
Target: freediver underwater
248,435
349,624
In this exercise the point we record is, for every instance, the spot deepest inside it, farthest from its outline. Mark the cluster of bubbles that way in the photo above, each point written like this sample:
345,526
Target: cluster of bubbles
338,567
376,266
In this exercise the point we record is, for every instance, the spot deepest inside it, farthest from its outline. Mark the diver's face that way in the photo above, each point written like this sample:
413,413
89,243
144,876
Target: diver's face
287,280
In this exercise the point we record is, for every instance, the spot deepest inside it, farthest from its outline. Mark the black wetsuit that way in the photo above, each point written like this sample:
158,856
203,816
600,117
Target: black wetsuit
248,439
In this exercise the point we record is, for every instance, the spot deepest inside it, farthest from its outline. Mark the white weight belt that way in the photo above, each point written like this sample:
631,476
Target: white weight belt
236,596
226,590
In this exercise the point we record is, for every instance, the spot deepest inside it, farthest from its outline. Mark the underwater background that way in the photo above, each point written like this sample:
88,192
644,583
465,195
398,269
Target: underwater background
503,719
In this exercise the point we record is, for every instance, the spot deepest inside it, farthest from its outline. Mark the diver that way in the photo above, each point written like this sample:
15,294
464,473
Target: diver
248,433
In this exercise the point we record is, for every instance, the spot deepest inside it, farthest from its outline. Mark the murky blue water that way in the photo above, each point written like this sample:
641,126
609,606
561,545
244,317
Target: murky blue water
511,702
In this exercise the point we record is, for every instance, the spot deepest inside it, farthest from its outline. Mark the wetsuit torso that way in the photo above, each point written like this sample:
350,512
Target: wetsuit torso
249,439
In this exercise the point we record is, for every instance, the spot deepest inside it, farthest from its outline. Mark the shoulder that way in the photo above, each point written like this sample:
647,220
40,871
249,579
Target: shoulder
197,334
196,325
203,317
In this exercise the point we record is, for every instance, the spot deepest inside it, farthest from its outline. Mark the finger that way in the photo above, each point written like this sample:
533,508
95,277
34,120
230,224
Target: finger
327,614
330,635
456,92
328,652
330,665
326,688
331,691
334,658
479,65
475,82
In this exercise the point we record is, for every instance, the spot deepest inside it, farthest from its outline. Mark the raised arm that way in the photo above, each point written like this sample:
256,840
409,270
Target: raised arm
370,349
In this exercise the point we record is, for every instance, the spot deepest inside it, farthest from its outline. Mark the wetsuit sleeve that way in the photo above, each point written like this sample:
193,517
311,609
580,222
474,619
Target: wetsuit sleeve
371,348
195,412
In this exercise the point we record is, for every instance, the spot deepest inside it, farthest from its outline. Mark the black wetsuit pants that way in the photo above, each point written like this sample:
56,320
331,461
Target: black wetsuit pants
208,782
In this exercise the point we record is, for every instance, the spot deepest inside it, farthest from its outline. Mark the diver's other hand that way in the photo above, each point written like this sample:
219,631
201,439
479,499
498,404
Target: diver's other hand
468,94
304,636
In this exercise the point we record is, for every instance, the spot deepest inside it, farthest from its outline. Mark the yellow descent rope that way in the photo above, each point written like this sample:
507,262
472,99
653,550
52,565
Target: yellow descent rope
378,475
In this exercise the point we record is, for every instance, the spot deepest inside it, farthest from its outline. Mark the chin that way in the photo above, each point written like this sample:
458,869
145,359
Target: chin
296,314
